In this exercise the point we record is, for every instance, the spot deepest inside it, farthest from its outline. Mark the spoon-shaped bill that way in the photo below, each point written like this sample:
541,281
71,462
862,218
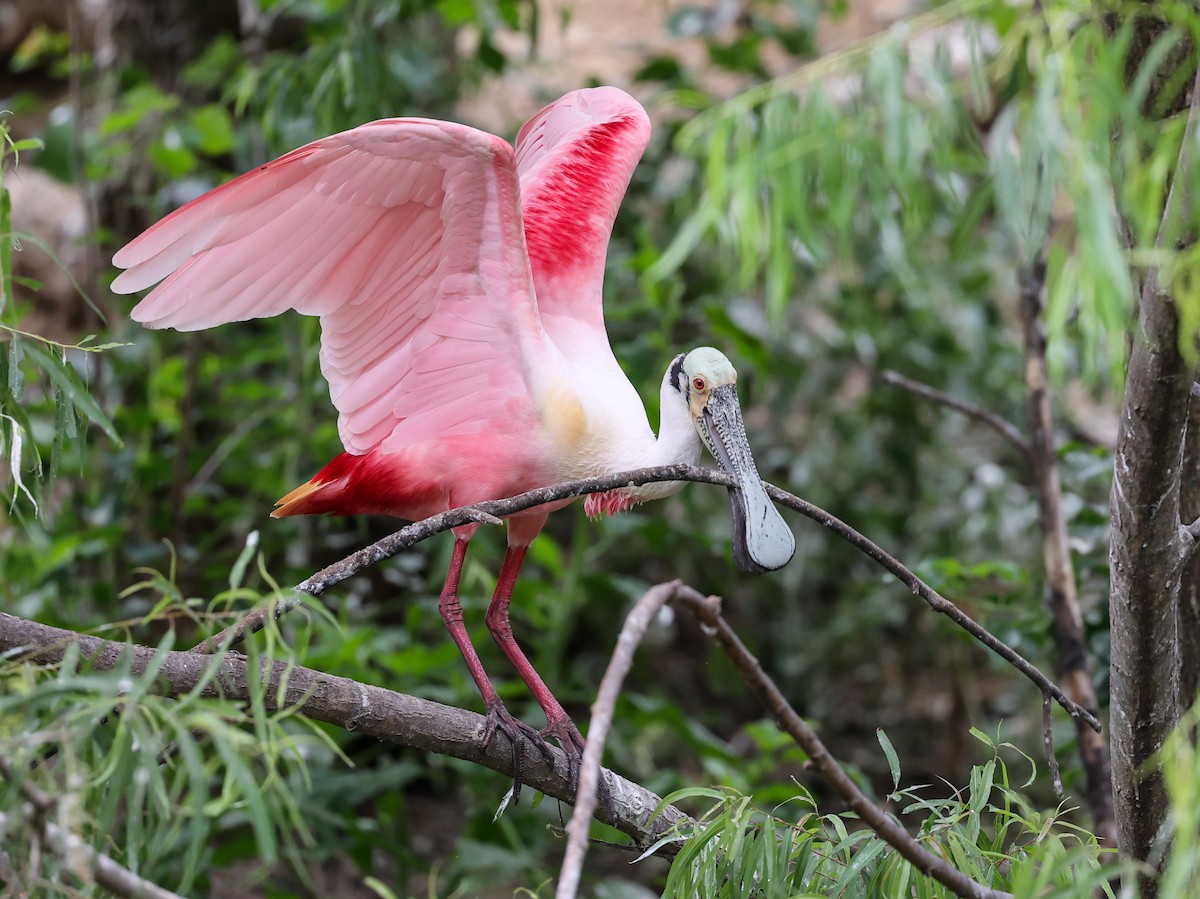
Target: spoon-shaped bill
762,541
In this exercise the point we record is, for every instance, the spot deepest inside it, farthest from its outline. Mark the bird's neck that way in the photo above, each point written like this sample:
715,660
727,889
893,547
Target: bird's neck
677,443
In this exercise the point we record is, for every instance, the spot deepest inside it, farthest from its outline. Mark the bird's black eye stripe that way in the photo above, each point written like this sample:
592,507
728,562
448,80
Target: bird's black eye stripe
677,376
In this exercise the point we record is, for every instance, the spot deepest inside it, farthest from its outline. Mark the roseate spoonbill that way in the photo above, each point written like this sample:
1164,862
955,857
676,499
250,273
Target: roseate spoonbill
458,284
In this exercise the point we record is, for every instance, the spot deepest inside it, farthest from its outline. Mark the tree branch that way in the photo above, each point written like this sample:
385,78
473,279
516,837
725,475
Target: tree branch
377,712
709,613
432,727
1062,601
1000,425
936,601
1062,597
634,629
494,509
107,873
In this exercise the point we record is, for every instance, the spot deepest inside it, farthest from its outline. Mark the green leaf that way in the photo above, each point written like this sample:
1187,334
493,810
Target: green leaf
28,143
890,751
6,247
138,104
238,572
65,377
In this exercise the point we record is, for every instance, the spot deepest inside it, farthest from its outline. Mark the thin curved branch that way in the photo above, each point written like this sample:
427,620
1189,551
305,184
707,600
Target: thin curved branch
492,510
936,601
1000,425
351,705
709,612
634,629
1061,600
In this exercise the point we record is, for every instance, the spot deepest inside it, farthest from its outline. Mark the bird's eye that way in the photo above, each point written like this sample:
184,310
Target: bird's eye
698,383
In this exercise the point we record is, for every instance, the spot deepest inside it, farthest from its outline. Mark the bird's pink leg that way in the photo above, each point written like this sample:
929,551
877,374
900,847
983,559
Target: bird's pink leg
558,723
452,615
498,717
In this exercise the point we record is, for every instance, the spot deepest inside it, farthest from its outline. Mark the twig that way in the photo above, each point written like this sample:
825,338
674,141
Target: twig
110,875
936,601
1048,739
414,533
636,623
1063,604
249,624
709,613
1000,425
374,711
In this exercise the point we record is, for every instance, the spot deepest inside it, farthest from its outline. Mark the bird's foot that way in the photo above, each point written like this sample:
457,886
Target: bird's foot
500,719
564,732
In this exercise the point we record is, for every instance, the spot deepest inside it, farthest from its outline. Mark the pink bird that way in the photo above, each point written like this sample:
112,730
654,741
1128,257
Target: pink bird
458,283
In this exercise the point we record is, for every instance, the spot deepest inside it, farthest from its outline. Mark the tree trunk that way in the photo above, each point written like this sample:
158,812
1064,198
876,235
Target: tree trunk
1146,557
1149,551
1187,614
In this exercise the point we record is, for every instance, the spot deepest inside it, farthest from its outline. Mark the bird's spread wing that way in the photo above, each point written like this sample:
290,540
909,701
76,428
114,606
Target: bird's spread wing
575,159
405,237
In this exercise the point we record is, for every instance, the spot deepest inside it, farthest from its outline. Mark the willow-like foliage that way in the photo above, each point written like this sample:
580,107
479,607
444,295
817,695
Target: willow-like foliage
973,132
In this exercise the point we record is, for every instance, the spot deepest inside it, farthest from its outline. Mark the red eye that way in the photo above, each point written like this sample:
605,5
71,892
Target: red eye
698,383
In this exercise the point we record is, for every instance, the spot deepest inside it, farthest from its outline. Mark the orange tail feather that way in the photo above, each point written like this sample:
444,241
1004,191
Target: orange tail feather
299,501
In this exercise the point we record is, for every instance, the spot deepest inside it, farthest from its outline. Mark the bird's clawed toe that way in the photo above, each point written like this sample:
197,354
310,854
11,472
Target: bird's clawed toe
564,732
561,730
500,719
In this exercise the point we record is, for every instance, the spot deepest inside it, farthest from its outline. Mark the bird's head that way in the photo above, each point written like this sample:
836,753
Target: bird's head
707,383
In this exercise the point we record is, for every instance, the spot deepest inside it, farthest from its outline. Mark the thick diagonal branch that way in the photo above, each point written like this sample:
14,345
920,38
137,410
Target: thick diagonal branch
349,704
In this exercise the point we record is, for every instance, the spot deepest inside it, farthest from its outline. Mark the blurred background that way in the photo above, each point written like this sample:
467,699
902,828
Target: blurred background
836,223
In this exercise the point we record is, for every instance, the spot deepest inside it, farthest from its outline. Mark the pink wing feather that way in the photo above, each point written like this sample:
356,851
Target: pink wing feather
575,159
412,241
405,237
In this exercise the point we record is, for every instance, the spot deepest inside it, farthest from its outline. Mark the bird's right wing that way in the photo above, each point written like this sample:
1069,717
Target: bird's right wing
575,159
405,237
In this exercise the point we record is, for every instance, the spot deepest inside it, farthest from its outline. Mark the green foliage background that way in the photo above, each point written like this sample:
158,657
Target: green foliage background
871,209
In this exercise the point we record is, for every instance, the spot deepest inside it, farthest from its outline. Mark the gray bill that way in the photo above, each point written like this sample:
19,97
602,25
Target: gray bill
762,541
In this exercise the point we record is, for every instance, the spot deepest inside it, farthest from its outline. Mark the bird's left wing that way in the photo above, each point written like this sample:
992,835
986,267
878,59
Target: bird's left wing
405,237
